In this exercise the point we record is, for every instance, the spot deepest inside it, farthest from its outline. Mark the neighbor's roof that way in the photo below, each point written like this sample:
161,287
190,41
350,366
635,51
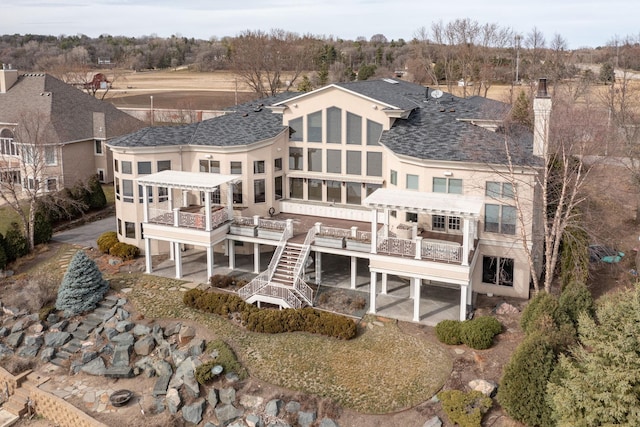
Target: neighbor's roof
244,124
432,203
69,110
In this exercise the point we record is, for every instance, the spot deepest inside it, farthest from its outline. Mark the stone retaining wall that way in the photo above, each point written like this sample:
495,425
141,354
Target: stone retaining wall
60,412
47,405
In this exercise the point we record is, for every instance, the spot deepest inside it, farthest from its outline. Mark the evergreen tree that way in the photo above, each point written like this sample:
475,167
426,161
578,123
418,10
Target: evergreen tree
97,199
607,73
305,85
522,111
83,286
16,244
599,383
43,230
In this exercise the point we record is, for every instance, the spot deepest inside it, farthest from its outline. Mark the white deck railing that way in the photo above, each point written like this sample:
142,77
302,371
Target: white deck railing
441,252
243,220
395,246
187,219
272,224
333,232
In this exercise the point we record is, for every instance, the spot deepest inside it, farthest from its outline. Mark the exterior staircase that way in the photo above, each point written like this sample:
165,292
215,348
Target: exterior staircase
18,402
282,283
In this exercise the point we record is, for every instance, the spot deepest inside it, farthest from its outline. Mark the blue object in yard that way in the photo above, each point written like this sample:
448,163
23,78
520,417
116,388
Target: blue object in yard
604,254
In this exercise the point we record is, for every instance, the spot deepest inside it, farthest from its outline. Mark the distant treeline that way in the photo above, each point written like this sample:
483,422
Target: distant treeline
462,51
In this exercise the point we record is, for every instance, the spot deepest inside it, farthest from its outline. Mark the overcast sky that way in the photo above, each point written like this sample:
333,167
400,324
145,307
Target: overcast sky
581,22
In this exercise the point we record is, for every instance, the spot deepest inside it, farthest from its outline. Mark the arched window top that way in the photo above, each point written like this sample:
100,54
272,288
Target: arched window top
6,133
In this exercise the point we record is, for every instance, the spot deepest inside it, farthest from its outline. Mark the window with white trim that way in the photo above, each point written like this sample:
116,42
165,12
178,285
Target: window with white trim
499,219
497,270
98,150
447,185
498,190
412,182
127,190
101,175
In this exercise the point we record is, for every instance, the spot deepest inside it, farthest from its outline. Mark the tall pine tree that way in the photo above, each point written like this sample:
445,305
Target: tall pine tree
83,286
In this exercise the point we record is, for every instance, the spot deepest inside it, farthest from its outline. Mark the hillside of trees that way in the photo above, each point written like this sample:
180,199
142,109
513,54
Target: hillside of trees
463,50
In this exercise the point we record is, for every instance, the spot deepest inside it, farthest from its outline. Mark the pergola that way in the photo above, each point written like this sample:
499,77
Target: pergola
468,208
194,181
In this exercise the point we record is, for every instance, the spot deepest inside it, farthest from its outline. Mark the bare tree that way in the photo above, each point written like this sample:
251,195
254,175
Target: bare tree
24,162
570,132
264,59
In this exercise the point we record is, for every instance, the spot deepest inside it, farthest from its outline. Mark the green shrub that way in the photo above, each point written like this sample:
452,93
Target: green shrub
272,321
543,303
124,251
16,244
45,312
448,332
575,299
465,409
523,388
106,241
203,372
96,199
478,333
3,253
226,358
42,228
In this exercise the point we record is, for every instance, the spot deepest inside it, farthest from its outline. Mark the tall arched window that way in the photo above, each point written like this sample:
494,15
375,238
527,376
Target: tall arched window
7,146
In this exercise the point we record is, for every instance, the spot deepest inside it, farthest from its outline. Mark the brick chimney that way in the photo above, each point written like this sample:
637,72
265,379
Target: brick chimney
541,118
7,78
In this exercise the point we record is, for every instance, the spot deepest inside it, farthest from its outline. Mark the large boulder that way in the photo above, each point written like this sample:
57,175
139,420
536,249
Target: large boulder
94,367
193,413
488,388
145,345
173,400
56,339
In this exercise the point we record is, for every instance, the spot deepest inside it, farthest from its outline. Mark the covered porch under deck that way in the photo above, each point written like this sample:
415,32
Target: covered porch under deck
180,223
437,302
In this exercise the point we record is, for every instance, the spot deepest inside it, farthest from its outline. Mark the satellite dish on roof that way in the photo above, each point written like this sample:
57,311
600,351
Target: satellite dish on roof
436,94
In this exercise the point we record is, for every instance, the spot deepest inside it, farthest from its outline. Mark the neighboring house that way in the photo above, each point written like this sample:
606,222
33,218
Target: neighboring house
414,184
77,128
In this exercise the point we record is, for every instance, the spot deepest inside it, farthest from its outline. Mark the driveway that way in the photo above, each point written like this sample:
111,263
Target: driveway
86,235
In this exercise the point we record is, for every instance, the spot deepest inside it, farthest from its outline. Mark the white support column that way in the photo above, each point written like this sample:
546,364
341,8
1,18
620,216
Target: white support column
374,231
463,302
354,271
383,291
318,268
171,251
145,204
231,245
372,293
178,256
416,299
385,229
207,211
256,258
176,217
418,241
230,200
209,261
185,198
466,236
147,255
170,197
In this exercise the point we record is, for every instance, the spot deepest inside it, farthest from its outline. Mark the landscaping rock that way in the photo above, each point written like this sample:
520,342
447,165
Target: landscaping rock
124,338
433,422
53,318
227,395
172,329
212,397
110,332
193,413
36,328
5,350
28,351
88,356
327,422
305,419
15,339
121,355
94,367
251,401
197,347
144,346
161,386
273,407
162,367
122,314
186,334
488,388
18,326
226,413
173,400
47,354
124,326
119,372
4,331
232,377
59,327
178,356
253,420
140,330
292,407
33,340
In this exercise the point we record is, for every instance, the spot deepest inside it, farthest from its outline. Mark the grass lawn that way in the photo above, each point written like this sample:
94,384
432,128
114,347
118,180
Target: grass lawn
382,370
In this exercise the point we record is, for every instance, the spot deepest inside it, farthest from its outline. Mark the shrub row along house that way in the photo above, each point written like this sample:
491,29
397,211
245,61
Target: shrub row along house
413,182
53,135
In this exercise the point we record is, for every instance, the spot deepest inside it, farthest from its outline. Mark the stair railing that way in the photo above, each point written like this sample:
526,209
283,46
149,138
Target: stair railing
299,284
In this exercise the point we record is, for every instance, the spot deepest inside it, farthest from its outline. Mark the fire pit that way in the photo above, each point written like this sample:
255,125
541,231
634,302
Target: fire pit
120,397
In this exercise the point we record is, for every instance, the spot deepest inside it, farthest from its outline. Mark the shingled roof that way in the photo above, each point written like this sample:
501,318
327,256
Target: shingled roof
69,110
243,125
436,129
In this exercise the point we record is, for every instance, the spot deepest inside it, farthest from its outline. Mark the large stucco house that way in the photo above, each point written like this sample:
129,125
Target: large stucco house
406,179
73,128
